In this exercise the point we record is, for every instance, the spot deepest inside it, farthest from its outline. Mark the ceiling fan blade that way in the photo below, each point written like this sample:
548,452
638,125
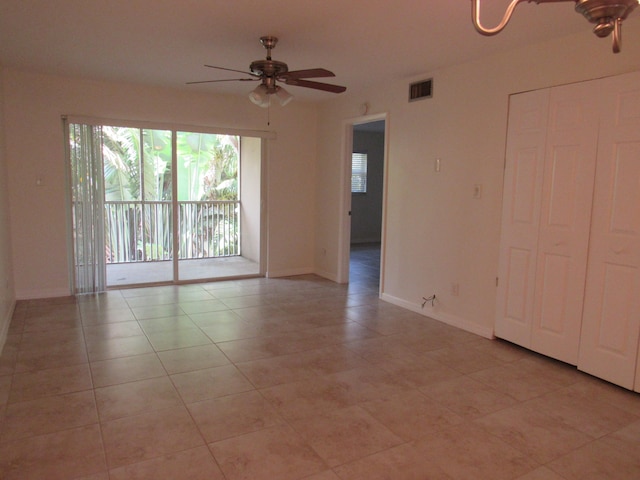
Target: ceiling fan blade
230,70
309,73
327,87
226,80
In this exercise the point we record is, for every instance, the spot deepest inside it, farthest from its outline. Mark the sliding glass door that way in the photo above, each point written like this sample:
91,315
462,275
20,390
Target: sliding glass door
166,205
208,203
138,205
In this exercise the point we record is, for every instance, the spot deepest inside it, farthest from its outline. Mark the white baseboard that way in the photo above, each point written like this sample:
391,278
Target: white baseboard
443,317
328,275
4,324
291,272
45,293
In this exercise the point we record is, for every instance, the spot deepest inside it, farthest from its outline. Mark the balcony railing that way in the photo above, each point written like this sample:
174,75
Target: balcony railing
143,231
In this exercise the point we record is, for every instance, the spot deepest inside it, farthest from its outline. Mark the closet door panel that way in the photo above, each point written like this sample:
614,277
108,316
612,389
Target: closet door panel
570,159
521,215
611,320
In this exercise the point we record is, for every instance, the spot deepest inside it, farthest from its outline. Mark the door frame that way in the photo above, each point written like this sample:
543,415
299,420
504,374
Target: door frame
264,137
344,245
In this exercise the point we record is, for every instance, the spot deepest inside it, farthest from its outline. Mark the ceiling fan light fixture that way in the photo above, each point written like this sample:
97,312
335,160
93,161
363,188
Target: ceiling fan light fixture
607,15
283,96
260,96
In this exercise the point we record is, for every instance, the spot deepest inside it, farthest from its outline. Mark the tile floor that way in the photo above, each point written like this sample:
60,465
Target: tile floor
295,378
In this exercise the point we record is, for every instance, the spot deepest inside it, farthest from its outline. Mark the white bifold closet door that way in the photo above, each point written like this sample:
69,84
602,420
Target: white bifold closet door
524,168
611,320
548,190
565,218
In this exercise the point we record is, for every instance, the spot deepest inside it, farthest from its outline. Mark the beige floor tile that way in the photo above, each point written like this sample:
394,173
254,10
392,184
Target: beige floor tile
177,339
202,306
5,388
54,355
53,381
233,415
44,340
419,371
246,301
212,319
370,383
195,464
541,473
134,398
383,349
468,397
273,371
465,358
62,455
151,435
411,415
307,398
590,387
345,435
232,329
327,475
344,333
192,358
304,318
265,347
538,434
404,462
597,461
51,323
146,312
112,330
590,415
52,311
466,451
109,315
126,369
273,453
333,359
519,380
260,312
626,439
8,359
48,415
167,324
95,476
118,347
210,383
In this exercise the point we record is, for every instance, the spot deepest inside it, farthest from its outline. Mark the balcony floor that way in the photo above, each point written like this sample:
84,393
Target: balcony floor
125,274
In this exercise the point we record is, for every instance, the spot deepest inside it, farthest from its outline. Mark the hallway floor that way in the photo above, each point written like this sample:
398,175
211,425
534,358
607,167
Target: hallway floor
292,378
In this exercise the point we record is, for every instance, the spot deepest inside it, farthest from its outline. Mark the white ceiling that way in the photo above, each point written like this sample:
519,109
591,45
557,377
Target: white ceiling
166,42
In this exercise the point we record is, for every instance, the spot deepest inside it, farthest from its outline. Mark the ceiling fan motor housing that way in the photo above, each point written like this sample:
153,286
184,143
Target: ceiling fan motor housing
268,68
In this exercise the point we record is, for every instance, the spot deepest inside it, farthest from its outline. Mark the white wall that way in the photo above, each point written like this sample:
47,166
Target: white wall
34,104
437,234
7,297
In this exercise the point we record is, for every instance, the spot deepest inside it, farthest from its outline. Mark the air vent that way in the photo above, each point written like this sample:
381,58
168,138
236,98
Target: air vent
421,90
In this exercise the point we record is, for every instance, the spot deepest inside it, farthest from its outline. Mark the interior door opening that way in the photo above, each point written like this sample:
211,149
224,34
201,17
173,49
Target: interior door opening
367,181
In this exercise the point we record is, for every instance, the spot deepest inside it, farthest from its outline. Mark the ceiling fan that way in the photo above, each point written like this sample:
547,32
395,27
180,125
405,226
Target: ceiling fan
270,71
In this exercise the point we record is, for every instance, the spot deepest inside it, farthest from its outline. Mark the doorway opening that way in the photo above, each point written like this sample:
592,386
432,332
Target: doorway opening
367,173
